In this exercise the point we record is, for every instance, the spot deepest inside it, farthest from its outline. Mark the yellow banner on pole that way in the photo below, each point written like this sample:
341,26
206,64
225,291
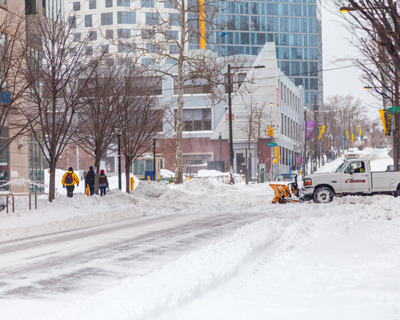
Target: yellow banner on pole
321,132
386,121
347,134
352,137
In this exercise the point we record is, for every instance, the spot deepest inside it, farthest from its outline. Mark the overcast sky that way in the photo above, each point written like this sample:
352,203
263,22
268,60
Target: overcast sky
336,46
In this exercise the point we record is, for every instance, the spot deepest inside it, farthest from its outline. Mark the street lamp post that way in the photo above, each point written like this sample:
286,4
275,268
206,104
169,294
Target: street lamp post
118,129
231,154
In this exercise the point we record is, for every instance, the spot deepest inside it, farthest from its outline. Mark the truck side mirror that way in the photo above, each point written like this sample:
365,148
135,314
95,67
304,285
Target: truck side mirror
351,170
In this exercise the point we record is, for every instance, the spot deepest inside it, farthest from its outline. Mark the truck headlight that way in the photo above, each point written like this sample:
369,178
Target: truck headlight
307,182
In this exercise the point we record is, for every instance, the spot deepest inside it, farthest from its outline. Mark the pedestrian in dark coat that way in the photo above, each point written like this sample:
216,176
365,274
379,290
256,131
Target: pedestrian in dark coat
90,176
103,183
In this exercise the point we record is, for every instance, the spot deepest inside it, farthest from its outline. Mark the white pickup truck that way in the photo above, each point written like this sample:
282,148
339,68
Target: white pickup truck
352,177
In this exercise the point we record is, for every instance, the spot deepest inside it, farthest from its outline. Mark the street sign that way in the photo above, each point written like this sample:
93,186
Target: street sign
393,110
271,144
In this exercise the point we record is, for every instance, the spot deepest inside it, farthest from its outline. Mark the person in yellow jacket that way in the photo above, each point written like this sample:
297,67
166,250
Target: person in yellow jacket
68,181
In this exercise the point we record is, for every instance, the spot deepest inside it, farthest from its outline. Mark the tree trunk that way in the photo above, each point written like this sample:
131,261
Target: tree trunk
52,185
127,174
179,128
96,179
127,182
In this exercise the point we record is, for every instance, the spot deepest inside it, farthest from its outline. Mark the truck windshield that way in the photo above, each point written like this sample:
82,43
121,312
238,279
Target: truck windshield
341,167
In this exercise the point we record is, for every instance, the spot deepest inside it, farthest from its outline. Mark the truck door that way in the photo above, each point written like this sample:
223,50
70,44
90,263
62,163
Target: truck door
359,181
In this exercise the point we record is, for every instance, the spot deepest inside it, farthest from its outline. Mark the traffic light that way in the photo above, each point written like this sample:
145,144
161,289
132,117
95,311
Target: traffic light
272,132
269,131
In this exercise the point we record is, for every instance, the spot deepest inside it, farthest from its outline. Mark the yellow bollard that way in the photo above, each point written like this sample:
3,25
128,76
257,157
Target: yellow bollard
132,183
87,190
172,180
148,178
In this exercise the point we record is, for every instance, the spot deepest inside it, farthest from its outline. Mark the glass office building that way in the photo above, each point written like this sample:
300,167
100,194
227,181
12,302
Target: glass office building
294,26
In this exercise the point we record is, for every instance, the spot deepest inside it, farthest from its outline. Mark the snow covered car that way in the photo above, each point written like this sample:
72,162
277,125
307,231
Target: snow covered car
352,154
352,177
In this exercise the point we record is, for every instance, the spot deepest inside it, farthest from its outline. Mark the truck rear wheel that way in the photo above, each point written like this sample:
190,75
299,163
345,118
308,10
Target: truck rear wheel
323,195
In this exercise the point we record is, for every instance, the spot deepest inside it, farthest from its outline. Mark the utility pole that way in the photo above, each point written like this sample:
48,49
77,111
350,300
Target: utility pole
396,131
154,158
230,125
305,141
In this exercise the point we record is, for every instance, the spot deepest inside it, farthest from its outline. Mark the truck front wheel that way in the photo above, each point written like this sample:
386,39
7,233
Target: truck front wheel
323,195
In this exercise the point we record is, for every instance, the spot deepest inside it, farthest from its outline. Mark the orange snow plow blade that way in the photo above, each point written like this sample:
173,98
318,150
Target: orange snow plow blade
282,193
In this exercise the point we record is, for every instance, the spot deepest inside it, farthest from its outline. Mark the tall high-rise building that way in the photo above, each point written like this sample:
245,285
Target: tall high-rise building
293,25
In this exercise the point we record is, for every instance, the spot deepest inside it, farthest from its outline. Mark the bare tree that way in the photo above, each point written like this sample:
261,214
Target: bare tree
98,116
253,126
57,80
341,116
375,27
166,37
345,113
139,114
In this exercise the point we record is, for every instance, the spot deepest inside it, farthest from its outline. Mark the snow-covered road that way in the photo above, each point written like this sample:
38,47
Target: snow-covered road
202,250
88,258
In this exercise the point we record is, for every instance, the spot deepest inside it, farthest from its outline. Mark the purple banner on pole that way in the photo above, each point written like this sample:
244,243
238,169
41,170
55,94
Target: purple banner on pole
309,129
298,160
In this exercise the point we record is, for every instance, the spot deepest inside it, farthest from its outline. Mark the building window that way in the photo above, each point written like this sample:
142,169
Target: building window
30,6
72,22
89,50
152,18
105,48
106,19
126,48
109,34
148,61
147,3
170,4
110,62
88,20
124,33
174,19
196,119
145,86
76,6
170,34
152,47
36,169
173,49
196,159
109,3
93,35
77,37
147,34
123,3
125,17
125,61
194,85
92,4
